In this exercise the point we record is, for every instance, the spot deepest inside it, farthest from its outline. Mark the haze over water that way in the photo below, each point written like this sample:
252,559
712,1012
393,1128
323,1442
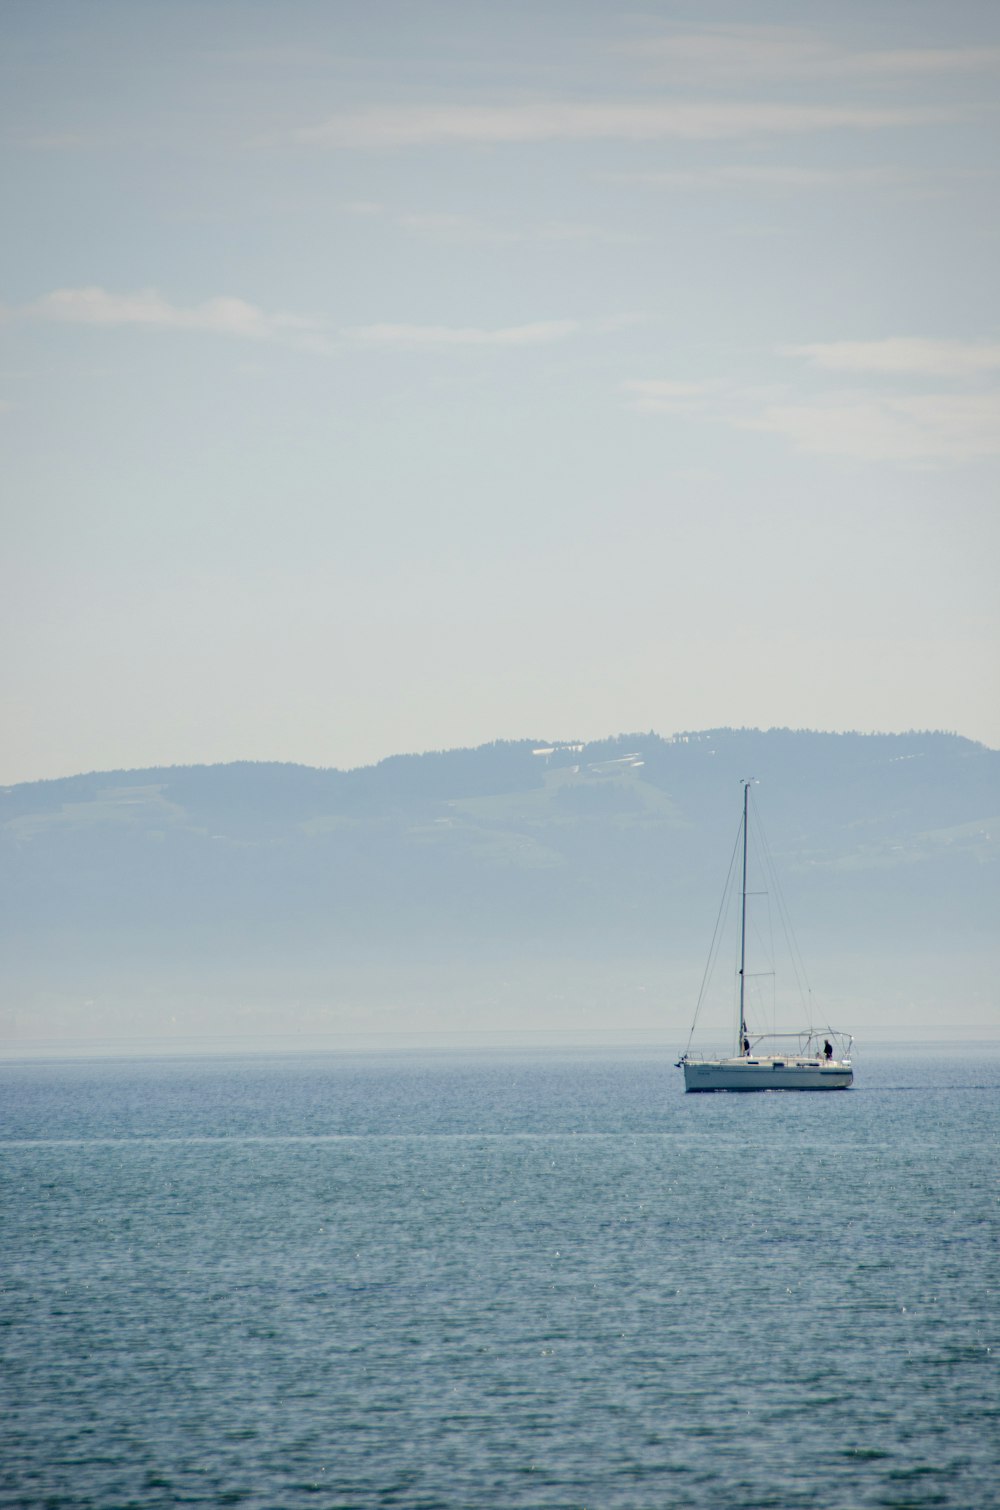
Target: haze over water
527,1279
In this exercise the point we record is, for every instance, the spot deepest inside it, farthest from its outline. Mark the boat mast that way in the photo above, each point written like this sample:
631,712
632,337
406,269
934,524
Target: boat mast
743,928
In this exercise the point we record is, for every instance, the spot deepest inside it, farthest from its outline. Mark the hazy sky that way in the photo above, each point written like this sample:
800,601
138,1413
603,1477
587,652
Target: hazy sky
386,376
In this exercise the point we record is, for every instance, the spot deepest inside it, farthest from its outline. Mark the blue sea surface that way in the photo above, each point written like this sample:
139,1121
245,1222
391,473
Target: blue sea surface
504,1279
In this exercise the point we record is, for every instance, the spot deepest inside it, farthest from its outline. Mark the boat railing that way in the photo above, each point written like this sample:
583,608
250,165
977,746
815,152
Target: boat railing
810,1043
710,1055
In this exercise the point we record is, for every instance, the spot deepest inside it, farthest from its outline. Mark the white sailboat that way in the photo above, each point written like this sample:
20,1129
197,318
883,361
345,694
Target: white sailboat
810,1060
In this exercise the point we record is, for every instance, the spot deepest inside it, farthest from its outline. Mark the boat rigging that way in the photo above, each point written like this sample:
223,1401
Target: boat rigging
815,1059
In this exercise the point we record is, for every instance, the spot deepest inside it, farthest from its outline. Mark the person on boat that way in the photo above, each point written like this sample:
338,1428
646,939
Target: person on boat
828,1049
746,1046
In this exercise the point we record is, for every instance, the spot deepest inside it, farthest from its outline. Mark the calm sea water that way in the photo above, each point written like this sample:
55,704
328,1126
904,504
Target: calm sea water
510,1280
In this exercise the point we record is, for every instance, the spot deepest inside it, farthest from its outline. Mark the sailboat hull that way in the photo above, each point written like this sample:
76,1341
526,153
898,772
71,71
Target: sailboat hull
767,1074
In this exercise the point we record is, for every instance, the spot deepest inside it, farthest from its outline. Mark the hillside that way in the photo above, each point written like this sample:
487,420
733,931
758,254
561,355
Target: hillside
131,896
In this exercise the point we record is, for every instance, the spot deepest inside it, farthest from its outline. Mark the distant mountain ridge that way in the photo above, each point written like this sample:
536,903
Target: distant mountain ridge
602,850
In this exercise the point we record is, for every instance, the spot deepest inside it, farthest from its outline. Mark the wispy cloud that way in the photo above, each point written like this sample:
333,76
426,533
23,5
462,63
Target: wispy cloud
883,421
927,60
902,355
402,126
441,336
60,141
887,420
737,53
363,209
457,227
652,396
149,309
928,428
777,176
